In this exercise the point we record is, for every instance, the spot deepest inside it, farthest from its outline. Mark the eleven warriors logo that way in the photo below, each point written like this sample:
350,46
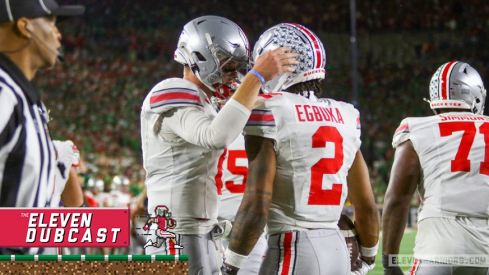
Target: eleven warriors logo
163,221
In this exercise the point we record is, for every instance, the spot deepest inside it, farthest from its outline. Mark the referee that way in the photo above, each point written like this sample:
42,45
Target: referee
29,41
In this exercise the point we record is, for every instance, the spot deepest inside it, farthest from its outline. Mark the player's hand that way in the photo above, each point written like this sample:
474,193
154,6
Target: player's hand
363,267
275,62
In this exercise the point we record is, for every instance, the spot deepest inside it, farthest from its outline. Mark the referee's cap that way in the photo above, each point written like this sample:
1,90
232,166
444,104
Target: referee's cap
11,10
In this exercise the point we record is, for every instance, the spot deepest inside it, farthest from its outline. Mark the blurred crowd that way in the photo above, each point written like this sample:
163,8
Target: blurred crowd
119,50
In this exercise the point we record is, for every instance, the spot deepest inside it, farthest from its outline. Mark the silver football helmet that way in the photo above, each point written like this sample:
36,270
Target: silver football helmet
312,56
456,85
207,44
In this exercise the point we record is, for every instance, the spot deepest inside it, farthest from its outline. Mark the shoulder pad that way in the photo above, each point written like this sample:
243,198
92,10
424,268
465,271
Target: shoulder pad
261,117
401,134
262,121
267,99
172,93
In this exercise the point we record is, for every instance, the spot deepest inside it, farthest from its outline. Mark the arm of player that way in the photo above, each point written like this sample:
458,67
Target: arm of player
362,199
405,176
72,195
194,126
253,211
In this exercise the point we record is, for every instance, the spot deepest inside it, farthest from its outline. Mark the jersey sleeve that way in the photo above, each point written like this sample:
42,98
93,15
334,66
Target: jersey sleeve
163,100
172,93
401,134
261,122
194,126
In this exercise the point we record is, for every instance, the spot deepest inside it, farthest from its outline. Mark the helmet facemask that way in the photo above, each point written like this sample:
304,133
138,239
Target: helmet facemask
224,92
229,69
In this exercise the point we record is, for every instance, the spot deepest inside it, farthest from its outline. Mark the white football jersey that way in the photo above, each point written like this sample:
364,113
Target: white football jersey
315,142
180,175
67,156
454,160
234,175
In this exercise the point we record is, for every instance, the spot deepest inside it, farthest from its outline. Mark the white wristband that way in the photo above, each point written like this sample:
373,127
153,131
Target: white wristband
369,251
234,259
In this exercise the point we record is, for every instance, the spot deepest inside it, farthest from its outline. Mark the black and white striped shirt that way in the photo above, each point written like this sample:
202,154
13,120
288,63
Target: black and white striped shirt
27,156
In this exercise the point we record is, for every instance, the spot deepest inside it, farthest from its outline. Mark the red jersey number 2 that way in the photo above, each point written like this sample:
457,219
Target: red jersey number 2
318,195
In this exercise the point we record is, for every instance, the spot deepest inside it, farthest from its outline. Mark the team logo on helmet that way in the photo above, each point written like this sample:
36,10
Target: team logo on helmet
312,56
457,85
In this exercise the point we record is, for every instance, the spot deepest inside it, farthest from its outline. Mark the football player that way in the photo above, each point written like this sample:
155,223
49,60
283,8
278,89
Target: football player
234,175
67,188
445,156
304,158
183,137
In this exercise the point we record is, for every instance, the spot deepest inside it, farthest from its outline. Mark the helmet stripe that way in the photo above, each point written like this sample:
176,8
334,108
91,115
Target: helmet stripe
445,80
315,43
246,42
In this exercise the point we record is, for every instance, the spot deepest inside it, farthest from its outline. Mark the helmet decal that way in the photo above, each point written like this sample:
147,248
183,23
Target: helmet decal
319,59
457,85
312,56
445,80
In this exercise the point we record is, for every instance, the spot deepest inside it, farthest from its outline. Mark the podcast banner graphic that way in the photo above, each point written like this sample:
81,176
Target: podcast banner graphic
64,227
